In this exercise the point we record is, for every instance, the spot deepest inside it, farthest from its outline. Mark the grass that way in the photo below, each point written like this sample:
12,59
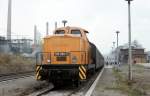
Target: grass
15,63
125,85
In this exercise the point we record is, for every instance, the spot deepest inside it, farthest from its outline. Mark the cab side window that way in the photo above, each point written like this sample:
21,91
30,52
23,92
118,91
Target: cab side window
60,32
76,32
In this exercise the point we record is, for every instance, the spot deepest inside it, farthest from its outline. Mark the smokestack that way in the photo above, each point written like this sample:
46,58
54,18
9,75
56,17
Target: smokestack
9,21
55,25
35,35
47,25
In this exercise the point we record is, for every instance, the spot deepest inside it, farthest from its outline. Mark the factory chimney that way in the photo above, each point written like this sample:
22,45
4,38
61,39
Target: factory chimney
35,35
55,25
47,25
9,20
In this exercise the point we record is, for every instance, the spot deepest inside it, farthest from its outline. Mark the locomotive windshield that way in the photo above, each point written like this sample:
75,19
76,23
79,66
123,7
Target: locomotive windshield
60,32
76,32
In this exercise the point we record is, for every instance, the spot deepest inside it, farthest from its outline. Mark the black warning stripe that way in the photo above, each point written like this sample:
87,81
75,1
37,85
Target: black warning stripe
82,72
81,77
83,68
38,68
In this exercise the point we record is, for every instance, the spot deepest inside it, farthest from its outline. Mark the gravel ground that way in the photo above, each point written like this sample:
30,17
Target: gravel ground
20,87
108,82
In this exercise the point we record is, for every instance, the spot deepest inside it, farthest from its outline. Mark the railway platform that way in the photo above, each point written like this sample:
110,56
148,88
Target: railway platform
106,82
115,83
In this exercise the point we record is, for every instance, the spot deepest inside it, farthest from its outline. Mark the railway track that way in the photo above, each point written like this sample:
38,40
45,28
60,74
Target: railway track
85,89
12,76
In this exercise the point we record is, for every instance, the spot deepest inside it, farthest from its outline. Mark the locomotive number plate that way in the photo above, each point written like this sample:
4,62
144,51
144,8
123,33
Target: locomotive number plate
61,54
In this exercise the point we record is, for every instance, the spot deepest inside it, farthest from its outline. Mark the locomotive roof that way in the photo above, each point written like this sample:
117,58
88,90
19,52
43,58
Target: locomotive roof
68,27
73,28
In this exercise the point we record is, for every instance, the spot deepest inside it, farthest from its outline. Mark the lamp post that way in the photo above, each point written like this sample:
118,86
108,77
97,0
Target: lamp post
64,22
130,50
117,32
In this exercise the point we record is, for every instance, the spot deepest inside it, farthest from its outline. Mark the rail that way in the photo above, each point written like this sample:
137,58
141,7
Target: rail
12,76
84,89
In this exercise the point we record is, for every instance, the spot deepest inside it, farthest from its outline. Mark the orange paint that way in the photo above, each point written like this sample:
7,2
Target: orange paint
69,41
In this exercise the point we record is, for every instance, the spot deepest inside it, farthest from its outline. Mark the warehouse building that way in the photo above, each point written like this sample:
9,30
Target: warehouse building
138,55
21,45
15,45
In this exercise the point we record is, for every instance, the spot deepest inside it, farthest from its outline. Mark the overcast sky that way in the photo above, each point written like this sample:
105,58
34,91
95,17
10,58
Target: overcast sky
102,18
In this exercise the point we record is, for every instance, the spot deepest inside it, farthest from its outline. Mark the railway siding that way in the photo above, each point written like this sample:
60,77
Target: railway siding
20,86
12,76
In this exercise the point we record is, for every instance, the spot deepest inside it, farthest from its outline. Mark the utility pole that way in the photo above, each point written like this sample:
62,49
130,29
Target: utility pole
117,32
130,50
47,26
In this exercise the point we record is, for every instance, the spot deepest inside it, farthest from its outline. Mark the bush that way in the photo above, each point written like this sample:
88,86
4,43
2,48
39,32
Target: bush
15,63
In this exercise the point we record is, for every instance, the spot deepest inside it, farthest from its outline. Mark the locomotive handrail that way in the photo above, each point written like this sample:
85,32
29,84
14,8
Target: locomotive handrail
40,55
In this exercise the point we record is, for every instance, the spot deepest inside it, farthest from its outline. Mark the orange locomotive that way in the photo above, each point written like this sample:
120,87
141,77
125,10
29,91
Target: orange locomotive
67,55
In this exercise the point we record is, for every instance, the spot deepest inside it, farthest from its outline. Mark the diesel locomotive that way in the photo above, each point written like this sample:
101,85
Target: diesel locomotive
68,55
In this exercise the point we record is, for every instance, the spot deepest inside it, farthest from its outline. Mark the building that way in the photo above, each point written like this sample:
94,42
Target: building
15,45
21,45
148,56
138,55
4,45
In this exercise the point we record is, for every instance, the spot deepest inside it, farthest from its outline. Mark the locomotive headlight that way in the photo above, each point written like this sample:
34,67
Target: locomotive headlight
48,61
74,59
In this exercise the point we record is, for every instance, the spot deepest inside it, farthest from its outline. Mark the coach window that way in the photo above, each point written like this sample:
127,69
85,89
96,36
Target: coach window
60,32
76,32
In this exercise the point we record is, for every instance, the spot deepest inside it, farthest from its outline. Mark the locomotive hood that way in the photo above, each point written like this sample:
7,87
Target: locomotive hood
64,43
